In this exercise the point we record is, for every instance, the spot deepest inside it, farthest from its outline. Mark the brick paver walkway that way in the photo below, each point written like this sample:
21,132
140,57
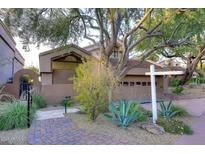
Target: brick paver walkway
63,131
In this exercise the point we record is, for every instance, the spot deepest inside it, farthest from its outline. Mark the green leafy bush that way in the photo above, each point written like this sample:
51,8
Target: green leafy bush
39,101
180,111
15,116
123,113
93,82
175,82
67,101
174,126
167,110
144,111
177,89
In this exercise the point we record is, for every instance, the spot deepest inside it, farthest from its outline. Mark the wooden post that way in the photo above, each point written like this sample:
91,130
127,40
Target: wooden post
153,91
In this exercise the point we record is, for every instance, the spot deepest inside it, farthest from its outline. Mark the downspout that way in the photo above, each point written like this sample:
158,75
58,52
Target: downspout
13,68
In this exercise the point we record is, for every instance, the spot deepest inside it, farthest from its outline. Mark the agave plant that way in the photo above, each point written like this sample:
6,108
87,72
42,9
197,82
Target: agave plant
122,113
167,110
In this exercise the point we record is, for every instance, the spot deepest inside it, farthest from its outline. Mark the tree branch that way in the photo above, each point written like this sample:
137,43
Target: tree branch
142,39
136,27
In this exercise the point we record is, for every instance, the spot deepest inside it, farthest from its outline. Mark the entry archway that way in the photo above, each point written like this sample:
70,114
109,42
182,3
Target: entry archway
14,88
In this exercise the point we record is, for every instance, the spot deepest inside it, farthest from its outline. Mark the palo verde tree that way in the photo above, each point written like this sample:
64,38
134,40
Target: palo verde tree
187,24
144,31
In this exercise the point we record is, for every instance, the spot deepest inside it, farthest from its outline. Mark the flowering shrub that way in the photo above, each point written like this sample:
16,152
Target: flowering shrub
174,126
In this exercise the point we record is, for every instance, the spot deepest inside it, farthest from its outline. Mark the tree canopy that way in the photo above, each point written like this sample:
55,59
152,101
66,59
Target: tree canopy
168,32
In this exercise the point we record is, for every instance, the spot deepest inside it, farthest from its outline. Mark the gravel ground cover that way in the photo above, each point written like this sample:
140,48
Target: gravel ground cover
133,132
16,136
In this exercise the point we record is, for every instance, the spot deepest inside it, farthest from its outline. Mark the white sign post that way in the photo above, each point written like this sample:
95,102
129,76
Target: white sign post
153,91
152,74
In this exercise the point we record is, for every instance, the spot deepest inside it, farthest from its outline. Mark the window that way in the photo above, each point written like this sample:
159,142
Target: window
149,83
144,83
125,83
132,83
115,54
138,83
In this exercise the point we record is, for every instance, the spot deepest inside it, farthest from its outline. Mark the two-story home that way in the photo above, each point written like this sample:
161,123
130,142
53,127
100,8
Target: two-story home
58,65
10,58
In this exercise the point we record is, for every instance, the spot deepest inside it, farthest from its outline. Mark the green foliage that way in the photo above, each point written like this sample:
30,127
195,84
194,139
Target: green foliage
174,126
180,111
15,116
175,82
198,80
167,110
144,111
124,112
92,84
33,68
67,101
39,100
177,89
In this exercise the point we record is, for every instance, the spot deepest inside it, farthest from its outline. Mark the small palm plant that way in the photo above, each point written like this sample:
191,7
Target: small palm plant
167,110
123,113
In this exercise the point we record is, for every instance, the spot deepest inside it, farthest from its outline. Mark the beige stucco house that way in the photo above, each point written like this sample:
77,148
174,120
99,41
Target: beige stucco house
58,65
11,60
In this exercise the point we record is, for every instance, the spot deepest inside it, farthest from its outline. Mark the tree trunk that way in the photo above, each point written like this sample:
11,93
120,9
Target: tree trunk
187,75
191,66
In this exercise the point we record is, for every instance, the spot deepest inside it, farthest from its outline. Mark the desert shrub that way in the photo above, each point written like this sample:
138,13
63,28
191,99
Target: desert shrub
180,111
174,126
124,112
177,89
174,82
39,100
144,111
15,116
167,110
67,101
92,84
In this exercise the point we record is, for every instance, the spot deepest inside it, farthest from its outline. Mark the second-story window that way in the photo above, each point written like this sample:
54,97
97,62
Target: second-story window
115,54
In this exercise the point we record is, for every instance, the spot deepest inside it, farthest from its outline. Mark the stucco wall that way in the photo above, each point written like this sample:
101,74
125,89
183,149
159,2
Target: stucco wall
6,56
46,78
63,76
55,93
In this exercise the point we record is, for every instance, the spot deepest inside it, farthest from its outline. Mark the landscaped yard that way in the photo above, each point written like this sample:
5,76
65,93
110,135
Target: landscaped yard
15,136
133,132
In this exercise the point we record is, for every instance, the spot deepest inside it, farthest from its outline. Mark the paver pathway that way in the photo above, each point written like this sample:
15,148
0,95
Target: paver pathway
63,131
50,114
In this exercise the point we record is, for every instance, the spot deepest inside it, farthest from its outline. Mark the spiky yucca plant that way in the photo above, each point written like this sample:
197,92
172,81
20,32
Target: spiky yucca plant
167,110
122,113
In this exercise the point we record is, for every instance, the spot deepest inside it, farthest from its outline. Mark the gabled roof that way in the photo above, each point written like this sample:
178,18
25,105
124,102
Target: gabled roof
65,47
